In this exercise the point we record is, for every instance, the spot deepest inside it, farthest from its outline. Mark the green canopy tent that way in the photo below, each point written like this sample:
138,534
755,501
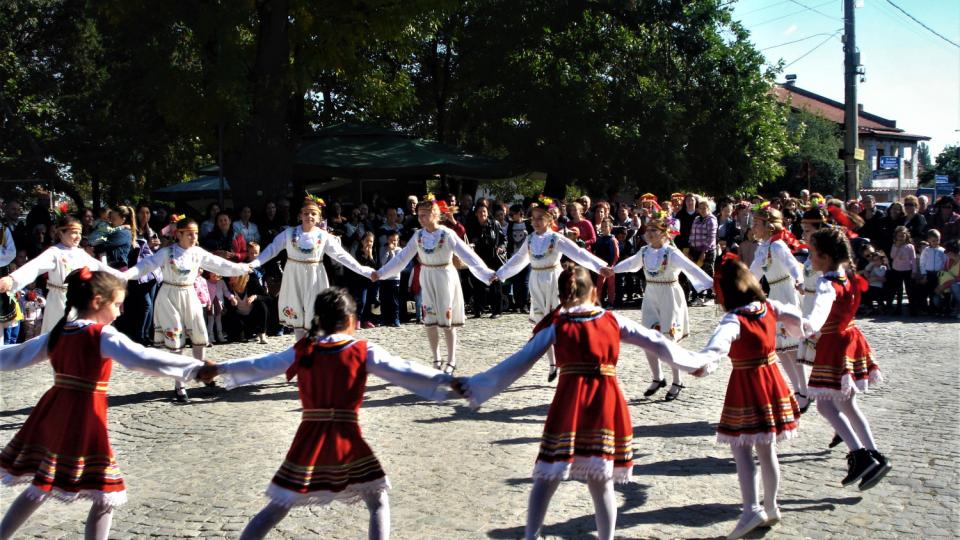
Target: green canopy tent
204,187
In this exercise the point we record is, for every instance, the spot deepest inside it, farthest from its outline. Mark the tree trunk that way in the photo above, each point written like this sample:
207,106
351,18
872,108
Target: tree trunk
262,162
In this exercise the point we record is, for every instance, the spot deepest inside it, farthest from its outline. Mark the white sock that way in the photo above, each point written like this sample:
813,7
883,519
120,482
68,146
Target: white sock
654,366
433,339
794,371
539,501
769,473
552,356
379,506
857,421
829,409
18,514
264,521
747,476
98,522
605,506
450,336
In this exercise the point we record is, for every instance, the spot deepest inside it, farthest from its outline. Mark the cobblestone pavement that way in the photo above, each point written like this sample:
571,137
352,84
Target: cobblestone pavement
199,470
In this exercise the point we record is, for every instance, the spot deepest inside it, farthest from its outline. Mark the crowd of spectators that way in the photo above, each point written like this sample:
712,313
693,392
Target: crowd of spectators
909,251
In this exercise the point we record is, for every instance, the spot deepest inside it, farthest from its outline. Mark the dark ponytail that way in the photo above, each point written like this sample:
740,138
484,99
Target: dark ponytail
332,311
574,283
833,243
83,286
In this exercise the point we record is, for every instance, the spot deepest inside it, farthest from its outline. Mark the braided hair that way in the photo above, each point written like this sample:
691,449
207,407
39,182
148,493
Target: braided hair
333,311
575,284
83,286
833,243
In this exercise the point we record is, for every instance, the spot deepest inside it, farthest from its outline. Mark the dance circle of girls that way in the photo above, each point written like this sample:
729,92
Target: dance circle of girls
63,449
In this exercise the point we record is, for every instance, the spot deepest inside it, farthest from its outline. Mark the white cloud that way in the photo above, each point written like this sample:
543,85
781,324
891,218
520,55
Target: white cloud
791,30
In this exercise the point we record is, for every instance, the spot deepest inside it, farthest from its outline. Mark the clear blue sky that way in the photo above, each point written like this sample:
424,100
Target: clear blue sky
913,76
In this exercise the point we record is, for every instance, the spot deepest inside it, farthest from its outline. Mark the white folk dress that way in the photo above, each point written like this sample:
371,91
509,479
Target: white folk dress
304,276
177,312
664,305
442,303
774,261
808,346
57,262
543,252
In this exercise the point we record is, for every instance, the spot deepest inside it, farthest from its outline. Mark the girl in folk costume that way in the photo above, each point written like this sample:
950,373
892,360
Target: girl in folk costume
588,434
813,220
63,449
177,312
759,409
304,275
843,365
542,251
442,303
57,261
328,459
774,260
664,305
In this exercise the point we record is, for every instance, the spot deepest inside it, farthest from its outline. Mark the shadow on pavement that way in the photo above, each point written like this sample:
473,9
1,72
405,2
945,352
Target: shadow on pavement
533,414
679,429
686,467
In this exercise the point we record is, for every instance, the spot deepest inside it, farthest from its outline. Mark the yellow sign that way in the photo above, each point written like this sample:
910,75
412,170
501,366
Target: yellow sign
858,154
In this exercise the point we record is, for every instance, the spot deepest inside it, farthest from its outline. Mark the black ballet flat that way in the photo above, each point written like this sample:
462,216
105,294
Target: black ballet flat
651,391
449,369
553,374
803,410
671,397
835,441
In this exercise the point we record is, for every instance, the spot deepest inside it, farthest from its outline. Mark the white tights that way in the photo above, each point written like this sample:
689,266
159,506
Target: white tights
377,503
794,370
198,352
847,420
450,336
657,373
299,333
747,475
604,504
98,520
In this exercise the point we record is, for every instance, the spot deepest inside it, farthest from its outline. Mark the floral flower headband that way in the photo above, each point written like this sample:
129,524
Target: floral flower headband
313,200
546,202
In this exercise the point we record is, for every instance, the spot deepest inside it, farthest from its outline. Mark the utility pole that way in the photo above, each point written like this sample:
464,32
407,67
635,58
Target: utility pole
851,62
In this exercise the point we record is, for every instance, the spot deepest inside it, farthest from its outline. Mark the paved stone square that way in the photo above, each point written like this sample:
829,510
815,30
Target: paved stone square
199,470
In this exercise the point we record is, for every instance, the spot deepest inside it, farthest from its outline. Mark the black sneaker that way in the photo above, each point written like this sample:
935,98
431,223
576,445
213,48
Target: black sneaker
871,478
859,463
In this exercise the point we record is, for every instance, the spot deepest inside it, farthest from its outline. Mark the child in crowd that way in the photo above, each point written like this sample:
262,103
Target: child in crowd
390,287
328,459
588,434
31,304
933,259
949,287
626,286
876,275
759,410
903,257
608,251
844,364
363,290
63,449
219,294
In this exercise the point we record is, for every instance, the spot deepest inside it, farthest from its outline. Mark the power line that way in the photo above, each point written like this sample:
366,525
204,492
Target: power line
938,34
799,40
788,15
806,54
765,7
815,10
